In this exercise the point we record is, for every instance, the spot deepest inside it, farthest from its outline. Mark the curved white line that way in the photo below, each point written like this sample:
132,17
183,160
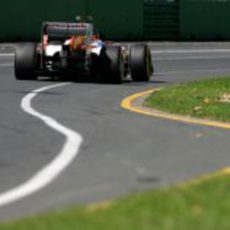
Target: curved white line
45,176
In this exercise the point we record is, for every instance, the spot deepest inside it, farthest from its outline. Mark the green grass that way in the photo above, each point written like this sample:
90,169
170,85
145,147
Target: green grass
209,99
201,206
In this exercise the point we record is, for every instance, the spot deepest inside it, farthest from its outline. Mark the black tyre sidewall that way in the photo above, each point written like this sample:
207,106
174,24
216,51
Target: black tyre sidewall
25,61
140,62
113,66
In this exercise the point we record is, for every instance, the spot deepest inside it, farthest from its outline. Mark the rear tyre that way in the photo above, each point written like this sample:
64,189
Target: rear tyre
26,61
140,63
113,65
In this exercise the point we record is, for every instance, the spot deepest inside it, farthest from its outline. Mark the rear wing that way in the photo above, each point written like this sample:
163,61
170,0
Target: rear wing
62,29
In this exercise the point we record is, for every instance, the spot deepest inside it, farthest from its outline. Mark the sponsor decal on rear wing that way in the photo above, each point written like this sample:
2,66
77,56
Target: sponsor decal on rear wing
66,29
61,25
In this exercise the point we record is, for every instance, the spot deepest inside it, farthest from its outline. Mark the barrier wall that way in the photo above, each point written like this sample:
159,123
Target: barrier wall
21,19
205,19
161,20
121,19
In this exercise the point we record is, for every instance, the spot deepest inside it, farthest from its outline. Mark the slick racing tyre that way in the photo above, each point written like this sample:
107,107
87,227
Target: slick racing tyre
25,61
140,63
113,65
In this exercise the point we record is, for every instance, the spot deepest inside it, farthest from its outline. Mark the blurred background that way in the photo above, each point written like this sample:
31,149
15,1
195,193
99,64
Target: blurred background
157,20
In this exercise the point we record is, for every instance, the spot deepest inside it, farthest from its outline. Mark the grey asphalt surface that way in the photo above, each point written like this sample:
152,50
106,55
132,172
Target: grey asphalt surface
122,152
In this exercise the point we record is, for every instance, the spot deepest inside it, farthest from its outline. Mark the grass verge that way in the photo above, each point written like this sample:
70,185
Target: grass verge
209,99
201,205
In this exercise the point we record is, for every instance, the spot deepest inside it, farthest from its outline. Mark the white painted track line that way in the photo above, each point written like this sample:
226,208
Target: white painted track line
192,71
173,58
6,54
189,51
7,65
51,171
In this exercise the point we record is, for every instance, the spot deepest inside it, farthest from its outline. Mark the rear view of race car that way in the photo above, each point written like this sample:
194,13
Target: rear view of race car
73,50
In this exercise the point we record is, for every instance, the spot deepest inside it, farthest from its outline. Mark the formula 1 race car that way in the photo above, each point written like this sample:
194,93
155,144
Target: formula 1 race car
74,50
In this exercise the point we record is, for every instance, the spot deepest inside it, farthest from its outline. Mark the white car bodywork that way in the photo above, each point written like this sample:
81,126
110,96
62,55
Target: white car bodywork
94,47
51,50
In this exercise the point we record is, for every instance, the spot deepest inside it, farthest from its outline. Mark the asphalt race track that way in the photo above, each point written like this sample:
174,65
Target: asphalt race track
122,152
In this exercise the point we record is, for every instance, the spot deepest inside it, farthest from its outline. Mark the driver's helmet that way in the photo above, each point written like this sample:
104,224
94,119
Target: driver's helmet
95,37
